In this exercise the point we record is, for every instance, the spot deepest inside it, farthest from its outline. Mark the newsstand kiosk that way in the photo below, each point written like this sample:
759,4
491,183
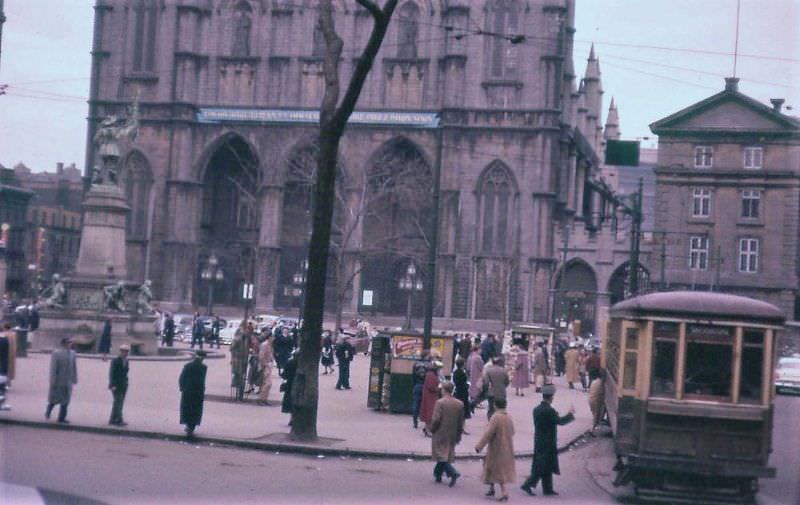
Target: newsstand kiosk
392,363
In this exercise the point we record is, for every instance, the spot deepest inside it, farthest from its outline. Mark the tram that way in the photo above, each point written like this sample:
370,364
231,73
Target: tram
689,394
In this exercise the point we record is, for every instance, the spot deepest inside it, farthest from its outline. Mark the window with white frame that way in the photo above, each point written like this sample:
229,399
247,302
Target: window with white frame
748,255
703,157
753,157
751,201
701,202
698,252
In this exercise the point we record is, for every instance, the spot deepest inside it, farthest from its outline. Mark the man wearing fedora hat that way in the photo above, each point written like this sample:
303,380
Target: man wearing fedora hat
118,384
192,383
545,446
63,375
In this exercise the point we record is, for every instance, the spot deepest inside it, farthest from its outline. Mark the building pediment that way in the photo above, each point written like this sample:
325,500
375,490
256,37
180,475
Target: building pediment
728,112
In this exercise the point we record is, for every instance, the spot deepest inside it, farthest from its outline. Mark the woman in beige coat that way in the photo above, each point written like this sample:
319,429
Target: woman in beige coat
498,466
572,367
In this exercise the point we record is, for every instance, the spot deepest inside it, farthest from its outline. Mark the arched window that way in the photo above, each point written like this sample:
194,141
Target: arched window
144,36
241,29
495,195
503,19
137,181
407,29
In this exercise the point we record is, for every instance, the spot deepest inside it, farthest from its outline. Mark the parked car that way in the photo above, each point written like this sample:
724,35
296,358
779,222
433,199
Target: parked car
227,333
787,375
359,340
183,326
263,320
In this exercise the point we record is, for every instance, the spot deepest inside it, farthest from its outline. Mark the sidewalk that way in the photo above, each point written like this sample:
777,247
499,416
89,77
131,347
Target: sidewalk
345,425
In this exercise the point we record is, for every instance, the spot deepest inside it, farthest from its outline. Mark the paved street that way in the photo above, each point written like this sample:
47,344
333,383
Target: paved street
344,419
124,471
785,488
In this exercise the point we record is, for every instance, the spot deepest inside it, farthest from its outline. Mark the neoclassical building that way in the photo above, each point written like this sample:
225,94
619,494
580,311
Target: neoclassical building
229,91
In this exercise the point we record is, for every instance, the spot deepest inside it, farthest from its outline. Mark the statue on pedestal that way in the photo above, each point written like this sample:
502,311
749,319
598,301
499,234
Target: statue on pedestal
55,296
114,297
144,296
111,130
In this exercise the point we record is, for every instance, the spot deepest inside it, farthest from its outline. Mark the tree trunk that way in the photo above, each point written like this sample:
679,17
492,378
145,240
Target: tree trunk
333,120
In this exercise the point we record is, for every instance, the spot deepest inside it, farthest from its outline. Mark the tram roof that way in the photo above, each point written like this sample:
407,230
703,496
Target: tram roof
700,304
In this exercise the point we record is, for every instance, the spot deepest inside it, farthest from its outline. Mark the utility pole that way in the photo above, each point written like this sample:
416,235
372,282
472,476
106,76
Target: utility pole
719,264
636,226
430,280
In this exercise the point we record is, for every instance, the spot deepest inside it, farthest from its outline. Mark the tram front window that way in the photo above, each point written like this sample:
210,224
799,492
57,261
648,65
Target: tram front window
709,359
750,384
664,358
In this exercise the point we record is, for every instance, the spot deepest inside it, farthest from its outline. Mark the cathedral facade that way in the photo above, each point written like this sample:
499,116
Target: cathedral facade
483,93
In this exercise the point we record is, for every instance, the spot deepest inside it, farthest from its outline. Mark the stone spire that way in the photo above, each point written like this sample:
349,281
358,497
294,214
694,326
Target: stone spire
612,123
593,96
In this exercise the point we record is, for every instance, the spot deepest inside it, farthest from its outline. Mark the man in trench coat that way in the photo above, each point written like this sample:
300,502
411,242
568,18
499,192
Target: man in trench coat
447,427
193,389
63,375
545,446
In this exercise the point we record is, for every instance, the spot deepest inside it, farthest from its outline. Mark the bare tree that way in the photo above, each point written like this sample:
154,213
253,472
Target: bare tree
333,119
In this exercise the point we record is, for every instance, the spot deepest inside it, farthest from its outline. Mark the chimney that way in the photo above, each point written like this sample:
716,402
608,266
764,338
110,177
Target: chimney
777,103
59,168
731,84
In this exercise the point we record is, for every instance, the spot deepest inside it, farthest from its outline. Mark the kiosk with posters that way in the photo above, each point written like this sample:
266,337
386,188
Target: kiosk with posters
392,362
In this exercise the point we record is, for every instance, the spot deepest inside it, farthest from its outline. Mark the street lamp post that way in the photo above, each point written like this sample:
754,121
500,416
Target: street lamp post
212,273
299,281
410,283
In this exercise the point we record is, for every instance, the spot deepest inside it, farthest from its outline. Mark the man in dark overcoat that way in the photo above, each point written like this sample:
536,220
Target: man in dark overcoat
63,375
197,331
169,331
545,446
118,384
193,389
344,355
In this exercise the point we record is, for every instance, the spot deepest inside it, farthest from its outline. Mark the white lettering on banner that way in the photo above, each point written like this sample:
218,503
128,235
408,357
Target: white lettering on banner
412,119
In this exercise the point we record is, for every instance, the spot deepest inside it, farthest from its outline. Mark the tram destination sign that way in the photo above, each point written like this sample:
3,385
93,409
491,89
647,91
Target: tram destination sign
407,119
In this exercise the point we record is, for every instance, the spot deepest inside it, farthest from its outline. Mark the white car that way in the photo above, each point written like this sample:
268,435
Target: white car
263,320
787,375
227,333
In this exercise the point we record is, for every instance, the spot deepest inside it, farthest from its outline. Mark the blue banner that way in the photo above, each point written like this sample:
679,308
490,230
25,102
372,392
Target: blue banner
309,116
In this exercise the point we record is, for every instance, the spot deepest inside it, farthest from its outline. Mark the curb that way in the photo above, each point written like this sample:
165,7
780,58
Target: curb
183,355
293,448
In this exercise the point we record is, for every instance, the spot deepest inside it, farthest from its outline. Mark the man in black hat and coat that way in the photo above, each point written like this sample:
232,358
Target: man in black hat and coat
545,445
193,389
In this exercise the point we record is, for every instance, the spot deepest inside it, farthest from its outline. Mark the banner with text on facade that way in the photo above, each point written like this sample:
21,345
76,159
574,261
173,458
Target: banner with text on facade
311,116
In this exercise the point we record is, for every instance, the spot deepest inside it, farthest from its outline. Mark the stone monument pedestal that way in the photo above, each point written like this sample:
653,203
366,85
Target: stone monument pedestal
102,251
86,326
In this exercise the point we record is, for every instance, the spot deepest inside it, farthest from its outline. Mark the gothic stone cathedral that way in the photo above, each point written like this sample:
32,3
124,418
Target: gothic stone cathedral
229,92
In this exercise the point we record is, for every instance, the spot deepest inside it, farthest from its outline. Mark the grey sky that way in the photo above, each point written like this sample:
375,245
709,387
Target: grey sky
46,61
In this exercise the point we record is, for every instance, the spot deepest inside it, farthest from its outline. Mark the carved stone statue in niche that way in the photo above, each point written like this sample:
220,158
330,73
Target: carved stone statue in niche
241,33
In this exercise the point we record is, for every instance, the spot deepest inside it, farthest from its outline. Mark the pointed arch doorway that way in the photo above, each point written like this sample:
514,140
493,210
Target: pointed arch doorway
230,221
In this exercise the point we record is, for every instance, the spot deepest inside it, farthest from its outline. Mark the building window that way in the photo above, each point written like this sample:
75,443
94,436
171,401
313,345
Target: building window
753,157
703,157
504,20
701,202
496,191
698,252
407,29
751,199
748,255
144,36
